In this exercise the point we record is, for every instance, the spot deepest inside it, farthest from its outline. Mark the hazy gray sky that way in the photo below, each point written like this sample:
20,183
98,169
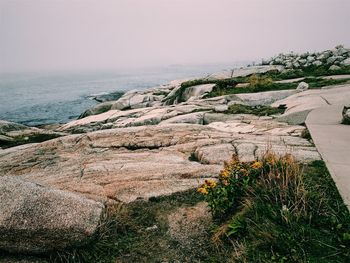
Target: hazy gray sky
103,34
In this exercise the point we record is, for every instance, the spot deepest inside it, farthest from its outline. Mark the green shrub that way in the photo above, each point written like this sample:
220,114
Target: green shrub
256,81
223,196
279,211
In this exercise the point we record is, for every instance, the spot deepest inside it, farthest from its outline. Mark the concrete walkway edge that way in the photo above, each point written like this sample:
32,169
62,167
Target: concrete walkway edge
332,140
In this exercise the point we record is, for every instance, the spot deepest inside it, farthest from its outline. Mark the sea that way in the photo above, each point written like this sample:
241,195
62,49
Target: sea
57,97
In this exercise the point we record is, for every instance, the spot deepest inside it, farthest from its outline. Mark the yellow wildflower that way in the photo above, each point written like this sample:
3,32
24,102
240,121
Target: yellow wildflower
257,165
203,190
210,183
225,173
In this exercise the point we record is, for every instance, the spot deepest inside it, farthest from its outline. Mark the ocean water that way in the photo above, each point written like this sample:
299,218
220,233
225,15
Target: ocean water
46,98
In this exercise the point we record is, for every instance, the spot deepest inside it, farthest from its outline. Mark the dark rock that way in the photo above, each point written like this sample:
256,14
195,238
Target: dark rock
303,86
109,97
14,134
98,109
346,115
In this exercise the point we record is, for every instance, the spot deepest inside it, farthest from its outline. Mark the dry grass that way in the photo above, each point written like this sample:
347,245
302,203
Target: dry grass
294,214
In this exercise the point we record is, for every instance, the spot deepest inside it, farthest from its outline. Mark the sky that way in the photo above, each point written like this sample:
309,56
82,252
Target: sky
48,35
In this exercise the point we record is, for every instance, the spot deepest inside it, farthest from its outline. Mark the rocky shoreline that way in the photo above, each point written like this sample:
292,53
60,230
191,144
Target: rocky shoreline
156,142
333,59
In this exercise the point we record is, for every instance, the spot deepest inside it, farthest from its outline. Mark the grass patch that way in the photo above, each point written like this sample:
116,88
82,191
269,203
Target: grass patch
319,82
280,211
312,71
265,83
256,84
127,238
249,89
258,110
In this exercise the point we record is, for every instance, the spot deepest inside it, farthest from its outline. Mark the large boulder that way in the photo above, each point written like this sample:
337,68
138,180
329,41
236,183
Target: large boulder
310,59
197,92
333,59
317,63
303,86
302,61
135,99
215,154
324,55
98,109
37,219
340,50
334,67
345,62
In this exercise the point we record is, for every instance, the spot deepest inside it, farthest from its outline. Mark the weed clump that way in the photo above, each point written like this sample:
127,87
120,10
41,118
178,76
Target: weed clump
259,110
256,81
279,211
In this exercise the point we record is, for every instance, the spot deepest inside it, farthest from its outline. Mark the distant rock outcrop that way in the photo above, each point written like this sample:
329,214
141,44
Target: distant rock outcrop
339,56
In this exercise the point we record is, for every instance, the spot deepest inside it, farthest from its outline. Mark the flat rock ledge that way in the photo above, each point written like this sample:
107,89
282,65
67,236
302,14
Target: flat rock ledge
126,164
36,219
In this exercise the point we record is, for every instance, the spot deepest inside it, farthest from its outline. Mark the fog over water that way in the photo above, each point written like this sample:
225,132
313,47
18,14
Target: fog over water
48,35
57,97
55,53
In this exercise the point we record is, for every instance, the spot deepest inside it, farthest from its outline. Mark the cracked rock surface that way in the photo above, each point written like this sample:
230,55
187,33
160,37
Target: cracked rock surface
140,162
300,104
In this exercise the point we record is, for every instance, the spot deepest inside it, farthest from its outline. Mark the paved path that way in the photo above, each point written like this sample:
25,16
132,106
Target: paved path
332,140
